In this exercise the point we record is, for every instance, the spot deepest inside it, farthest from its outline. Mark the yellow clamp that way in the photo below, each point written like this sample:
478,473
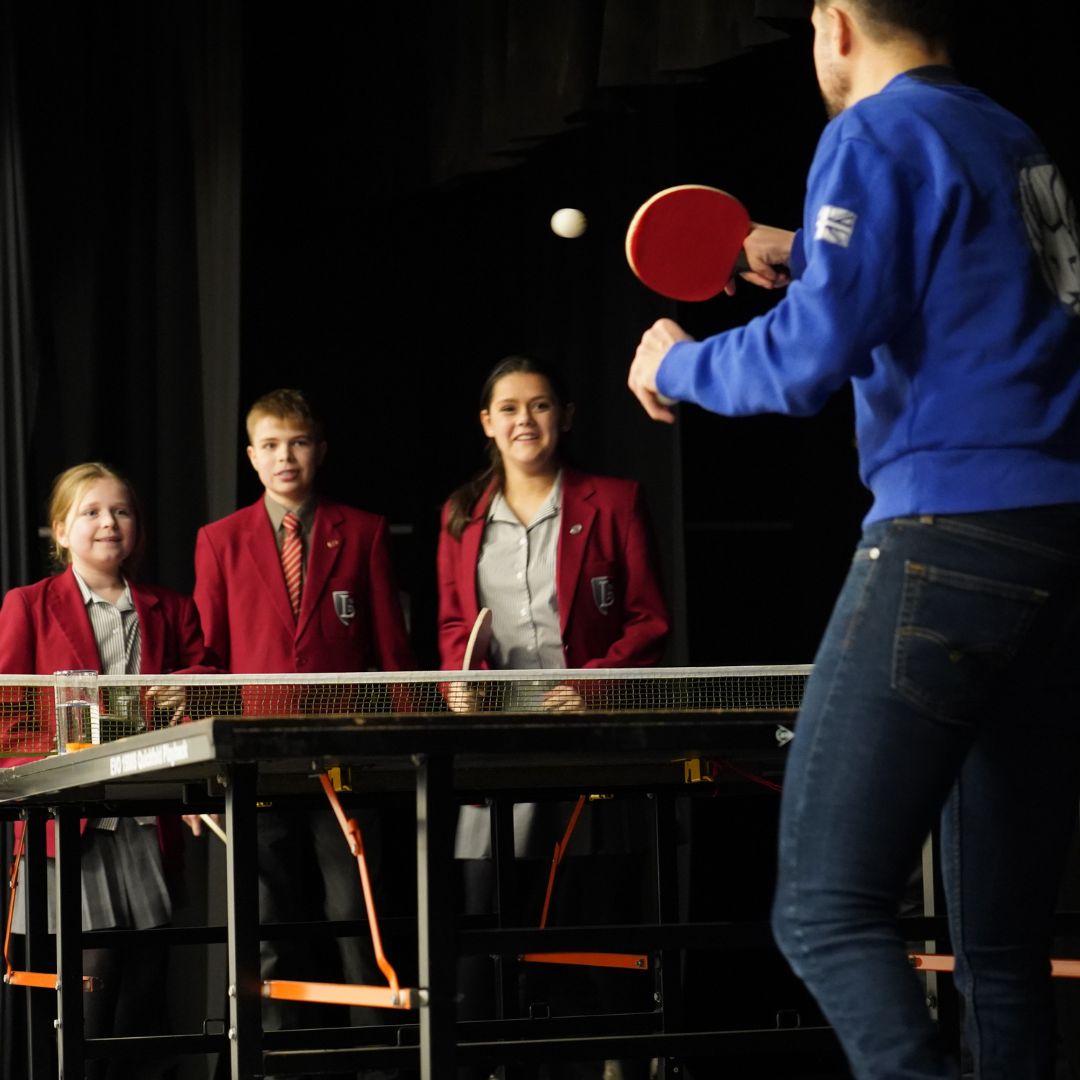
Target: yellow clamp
696,771
340,778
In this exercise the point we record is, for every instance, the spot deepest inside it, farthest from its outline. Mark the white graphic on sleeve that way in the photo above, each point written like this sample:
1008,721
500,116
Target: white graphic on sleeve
1050,220
835,225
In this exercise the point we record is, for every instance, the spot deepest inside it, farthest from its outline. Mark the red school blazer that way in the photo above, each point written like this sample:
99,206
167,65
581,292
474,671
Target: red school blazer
611,608
350,617
45,628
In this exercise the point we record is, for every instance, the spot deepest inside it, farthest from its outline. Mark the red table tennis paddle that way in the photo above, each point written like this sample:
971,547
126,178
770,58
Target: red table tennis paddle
685,241
476,649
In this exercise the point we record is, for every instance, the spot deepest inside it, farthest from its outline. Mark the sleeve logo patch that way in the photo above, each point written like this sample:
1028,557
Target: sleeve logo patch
835,225
1051,223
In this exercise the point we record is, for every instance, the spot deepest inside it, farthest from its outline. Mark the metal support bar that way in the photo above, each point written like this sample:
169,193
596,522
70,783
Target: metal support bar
241,873
667,978
436,929
507,902
39,951
69,1022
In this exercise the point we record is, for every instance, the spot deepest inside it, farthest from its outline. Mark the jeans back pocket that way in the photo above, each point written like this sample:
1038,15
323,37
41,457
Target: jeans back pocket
956,637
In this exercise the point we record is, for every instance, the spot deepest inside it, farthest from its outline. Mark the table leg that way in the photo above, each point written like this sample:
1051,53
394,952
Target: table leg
69,965
241,873
507,903
436,915
33,890
667,980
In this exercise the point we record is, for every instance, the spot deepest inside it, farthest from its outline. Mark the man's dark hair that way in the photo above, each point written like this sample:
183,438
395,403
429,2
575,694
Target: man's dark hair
931,20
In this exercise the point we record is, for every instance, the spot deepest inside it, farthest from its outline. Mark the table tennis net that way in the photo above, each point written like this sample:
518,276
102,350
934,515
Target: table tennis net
128,705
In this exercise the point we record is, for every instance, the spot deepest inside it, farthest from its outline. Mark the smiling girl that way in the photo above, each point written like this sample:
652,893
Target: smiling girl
564,561
93,616
563,558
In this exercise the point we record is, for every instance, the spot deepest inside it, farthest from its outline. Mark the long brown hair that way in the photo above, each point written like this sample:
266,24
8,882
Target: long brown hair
463,501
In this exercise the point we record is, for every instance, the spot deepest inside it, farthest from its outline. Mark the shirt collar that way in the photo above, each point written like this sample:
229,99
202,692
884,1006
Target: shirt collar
125,603
938,74
305,512
499,510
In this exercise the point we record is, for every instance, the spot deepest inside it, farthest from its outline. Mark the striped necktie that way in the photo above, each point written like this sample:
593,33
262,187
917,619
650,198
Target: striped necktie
292,560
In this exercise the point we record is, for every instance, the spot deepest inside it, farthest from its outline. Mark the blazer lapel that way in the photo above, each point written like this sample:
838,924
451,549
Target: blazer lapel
266,559
327,541
68,612
575,524
471,539
151,631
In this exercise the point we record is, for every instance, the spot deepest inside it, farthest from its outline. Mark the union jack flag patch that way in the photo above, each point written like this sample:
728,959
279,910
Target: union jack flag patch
835,225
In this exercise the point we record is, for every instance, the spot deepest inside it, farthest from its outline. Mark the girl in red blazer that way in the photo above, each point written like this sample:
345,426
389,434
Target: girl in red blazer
564,561
610,609
48,627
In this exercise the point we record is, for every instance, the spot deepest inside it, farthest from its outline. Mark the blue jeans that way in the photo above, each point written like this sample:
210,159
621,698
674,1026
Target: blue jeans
947,683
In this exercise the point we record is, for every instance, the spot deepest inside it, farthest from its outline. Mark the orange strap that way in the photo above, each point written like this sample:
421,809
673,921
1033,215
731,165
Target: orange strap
1060,969
35,980
589,959
13,884
560,851
629,961
354,838
379,997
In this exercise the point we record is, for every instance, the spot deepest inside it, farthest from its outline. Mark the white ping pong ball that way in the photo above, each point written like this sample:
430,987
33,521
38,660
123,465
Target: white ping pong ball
568,223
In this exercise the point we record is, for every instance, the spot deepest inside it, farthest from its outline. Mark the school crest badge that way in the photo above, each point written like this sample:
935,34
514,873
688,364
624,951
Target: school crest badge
603,594
344,608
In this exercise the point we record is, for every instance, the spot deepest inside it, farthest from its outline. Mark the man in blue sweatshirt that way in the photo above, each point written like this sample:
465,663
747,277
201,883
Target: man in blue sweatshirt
938,271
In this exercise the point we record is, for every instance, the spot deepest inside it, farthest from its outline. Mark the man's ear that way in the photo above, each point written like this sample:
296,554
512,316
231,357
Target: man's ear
842,26
251,457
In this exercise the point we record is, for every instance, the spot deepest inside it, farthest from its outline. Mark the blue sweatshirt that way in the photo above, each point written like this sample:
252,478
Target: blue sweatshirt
938,270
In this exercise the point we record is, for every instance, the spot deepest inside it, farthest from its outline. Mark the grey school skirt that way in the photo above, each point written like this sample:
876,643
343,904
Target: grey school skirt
123,882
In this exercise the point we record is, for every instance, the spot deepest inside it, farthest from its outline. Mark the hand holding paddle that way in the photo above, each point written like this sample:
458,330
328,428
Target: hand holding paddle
687,243
462,696
684,241
766,257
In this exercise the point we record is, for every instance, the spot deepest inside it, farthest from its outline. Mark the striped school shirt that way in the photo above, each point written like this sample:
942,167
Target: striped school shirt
515,577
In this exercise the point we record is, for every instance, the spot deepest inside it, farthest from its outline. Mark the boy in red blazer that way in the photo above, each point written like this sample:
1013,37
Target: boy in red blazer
349,616
299,584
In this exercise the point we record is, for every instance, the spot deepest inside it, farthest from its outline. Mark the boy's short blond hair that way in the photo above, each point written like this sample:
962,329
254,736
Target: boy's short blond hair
284,404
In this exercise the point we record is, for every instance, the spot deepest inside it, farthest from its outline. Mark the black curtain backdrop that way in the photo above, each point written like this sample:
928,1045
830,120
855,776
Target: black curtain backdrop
18,376
112,172
202,201
395,170
18,353
113,262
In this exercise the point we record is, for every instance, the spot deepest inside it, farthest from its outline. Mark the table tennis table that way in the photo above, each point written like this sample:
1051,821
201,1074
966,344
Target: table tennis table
662,735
